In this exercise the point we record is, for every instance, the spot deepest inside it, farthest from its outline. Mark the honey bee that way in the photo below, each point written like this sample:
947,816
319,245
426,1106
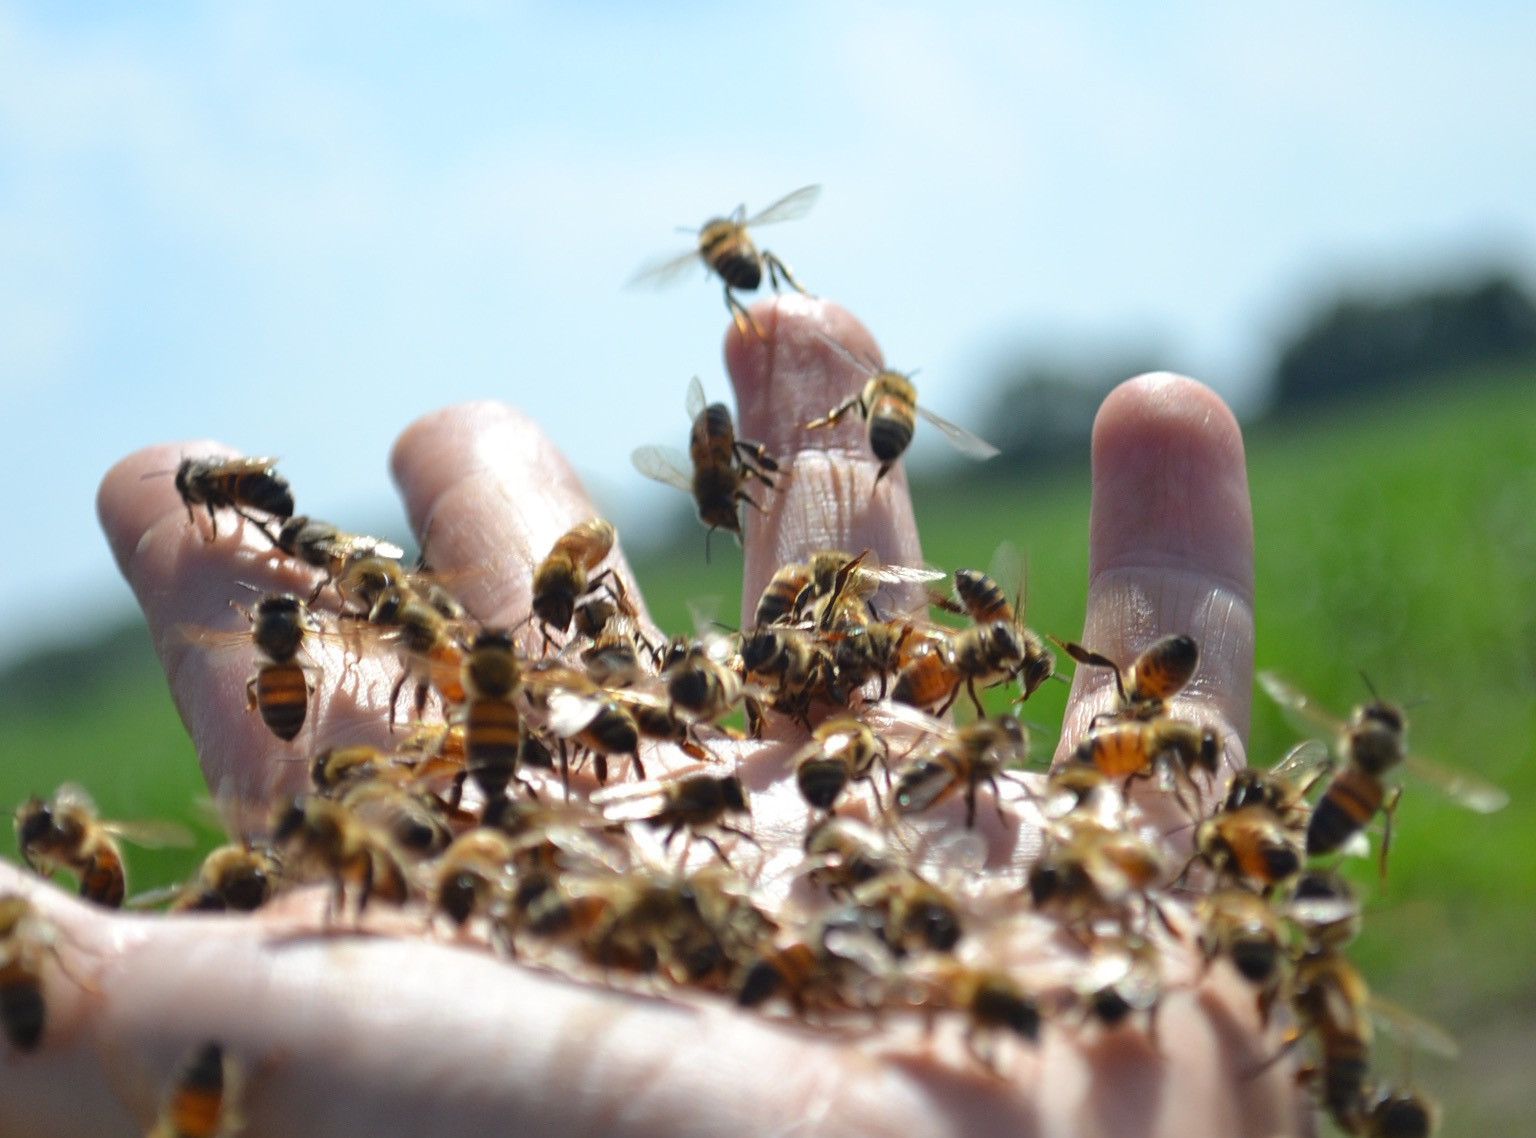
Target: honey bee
1142,748
727,249
842,750
1090,870
998,595
232,878
239,484
1246,929
475,873
201,1100
888,405
419,823
493,734
1331,1001
280,689
64,832
1123,977
25,935
960,760
1324,906
691,804
329,549
1371,744
619,653
836,964
565,575
323,837
1250,845
789,665
843,853
910,913
1395,1113
982,656
579,711
1162,670
702,677
992,1001
716,469
429,644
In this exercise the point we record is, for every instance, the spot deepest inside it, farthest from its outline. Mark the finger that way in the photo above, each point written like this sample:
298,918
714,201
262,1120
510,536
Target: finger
826,495
185,584
1171,550
488,493
338,1035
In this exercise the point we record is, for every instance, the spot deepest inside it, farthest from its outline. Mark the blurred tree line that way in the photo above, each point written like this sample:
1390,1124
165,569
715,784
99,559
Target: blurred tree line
1352,345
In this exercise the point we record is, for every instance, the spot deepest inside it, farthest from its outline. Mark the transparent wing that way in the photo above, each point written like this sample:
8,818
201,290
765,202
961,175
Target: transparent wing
696,401
1302,711
1302,761
897,574
151,833
664,464
1462,788
960,438
795,204
662,271
570,712
1413,1030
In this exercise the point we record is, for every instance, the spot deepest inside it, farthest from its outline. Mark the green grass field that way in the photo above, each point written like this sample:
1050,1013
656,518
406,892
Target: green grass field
1394,540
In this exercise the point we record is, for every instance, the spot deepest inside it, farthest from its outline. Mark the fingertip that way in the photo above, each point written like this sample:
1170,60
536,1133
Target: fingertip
1170,482
140,490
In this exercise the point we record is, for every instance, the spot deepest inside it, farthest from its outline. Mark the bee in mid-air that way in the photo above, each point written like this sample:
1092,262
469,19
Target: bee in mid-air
1162,670
1370,744
716,469
64,832
238,484
888,405
726,248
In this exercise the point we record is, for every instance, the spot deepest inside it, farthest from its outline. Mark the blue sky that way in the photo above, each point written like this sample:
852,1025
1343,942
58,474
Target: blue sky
297,227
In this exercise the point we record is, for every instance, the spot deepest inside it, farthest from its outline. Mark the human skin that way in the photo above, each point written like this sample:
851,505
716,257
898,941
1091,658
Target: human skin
407,1032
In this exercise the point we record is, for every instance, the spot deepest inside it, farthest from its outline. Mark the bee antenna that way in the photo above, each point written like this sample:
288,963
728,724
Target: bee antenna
155,474
248,585
691,230
1370,687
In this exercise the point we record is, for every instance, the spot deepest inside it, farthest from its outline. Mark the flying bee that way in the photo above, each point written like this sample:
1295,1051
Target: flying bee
842,750
200,1102
25,936
1370,744
998,595
64,832
1162,670
717,468
322,837
238,484
566,573
1142,748
329,549
691,804
959,760
888,405
727,249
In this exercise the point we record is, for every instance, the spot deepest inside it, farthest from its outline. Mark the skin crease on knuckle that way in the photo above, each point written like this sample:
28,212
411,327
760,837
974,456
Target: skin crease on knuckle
380,1035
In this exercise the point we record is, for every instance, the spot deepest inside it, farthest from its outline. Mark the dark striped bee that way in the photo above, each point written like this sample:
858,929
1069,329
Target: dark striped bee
727,249
65,832
717,467
1370,744
201,1100
888,405
238,484
1162,670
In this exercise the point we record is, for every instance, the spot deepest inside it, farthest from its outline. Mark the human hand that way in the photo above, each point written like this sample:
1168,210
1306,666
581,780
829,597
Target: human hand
410,1033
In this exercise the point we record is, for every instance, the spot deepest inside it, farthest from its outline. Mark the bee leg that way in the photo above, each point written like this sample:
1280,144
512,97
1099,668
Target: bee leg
1386,835
250,694
740,315
719,850
970,689
634,758
835,416
777,269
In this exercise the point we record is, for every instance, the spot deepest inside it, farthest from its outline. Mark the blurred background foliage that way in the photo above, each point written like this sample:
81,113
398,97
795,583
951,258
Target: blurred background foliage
1394,490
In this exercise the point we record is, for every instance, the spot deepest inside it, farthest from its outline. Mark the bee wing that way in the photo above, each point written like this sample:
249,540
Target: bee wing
73,794
1412,1030
960,438
695,403
1303,760
1322,910
1302,711
1461,788
252,465
220,639
665,464
957,853
900,574
151,833
662,271
570,712
795,204
151,898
